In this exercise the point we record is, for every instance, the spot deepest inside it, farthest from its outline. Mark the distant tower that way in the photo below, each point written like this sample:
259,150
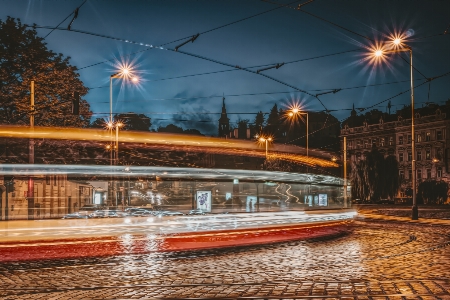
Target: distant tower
224,121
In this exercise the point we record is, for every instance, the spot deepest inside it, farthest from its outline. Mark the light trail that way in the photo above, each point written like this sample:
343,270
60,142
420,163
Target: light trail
208,144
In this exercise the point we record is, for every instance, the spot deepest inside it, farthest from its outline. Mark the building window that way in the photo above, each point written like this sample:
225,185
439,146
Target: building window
428,136
419,138
402,174
400,157
382,142
419,155
366,144
428,173
428,154
439,172
409,156
391,141
400,140
439,134
358,143
409,139
54,180
439,153
410,174
419,174
47,180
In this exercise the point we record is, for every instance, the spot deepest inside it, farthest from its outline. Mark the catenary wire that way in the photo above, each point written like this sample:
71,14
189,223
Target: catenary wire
184,38
65,19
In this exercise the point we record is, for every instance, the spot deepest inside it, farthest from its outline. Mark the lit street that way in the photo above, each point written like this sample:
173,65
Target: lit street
238,149
373,260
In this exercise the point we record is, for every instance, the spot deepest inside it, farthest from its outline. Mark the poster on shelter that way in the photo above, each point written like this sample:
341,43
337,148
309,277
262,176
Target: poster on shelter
204,200
323,200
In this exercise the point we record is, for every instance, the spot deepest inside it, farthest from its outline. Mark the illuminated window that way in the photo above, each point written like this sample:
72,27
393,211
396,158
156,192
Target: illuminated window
428,136
382,142
419,138
391,141
428,154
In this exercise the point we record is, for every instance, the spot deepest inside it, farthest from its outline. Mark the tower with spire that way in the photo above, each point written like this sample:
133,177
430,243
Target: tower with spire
224,121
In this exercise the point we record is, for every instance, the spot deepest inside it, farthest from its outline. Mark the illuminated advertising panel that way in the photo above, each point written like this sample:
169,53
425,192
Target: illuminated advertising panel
323,200
204,200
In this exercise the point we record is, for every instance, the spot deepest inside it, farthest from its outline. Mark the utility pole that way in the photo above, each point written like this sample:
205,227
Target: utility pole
345,172
31,157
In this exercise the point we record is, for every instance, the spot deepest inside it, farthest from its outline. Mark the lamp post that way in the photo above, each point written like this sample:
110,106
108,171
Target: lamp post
398,46
295,112
125,73
266,140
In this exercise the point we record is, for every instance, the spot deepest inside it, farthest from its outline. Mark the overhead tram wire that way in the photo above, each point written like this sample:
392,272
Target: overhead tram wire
76,9
361,110
187,37
188,54
234,69
330,90
339,26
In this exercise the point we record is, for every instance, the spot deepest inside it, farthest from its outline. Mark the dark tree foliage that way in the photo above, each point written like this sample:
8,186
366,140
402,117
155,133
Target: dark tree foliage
171,128
375,177
24,57
132,121
273,120
432,192
259,121
98,123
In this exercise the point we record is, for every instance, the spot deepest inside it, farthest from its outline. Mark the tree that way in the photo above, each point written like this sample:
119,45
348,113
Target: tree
171,129
132,121
98,123
259,121
273,120
432,192
24,57
375,177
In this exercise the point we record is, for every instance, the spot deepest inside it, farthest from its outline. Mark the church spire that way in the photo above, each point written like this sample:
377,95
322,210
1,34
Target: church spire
224,121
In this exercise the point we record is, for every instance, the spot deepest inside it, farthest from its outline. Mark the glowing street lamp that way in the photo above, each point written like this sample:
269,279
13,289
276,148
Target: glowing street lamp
127,74
293,113
397,47
265,140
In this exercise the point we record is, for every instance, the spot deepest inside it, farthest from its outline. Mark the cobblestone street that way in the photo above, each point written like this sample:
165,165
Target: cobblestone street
377,259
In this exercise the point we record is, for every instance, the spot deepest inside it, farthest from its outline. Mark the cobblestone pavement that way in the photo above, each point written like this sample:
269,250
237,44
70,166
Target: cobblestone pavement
378,260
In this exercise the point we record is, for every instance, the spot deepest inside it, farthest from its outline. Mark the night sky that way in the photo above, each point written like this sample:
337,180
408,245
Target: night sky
281,35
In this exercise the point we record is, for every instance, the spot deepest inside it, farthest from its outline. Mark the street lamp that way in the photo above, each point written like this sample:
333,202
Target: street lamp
265,140
397,47
293,113
125,73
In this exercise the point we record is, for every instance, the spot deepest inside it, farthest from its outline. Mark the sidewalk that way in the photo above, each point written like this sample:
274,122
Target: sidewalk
362,215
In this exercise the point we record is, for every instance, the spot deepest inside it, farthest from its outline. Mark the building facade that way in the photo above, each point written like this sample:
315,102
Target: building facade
54,196
393,137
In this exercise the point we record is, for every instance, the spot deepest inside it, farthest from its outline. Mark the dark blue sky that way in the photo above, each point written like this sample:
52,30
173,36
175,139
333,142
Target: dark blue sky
282,35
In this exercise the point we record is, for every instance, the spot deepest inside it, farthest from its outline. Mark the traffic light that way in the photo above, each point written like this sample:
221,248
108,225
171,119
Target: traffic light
76,103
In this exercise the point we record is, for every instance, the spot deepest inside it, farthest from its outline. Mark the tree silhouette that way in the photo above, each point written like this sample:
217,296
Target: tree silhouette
375,177
24,57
